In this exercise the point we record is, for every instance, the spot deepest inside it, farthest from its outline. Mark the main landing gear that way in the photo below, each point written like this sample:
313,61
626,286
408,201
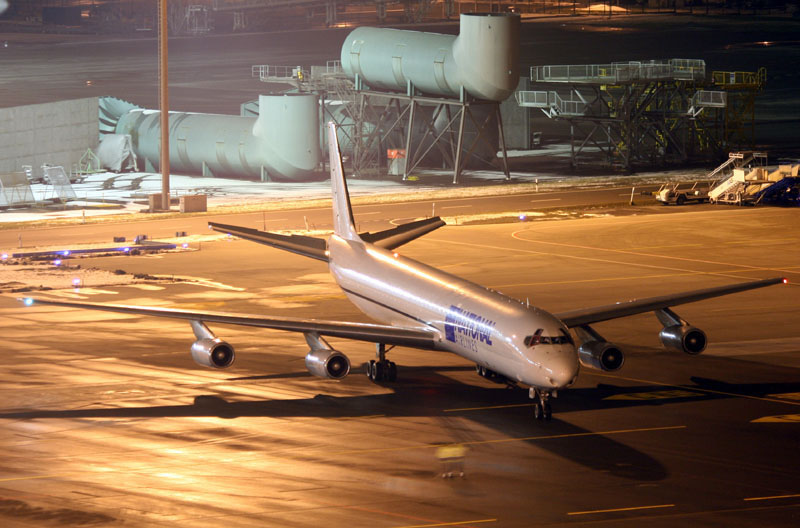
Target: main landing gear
541,409
382,369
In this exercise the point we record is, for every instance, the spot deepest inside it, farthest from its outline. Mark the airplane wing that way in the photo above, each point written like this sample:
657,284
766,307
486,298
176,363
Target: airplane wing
316,248
597,314
374,333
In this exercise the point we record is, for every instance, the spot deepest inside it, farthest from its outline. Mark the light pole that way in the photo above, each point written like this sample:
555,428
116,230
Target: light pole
163,101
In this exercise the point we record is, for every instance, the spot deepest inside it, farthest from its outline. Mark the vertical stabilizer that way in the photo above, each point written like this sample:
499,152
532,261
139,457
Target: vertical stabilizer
343,223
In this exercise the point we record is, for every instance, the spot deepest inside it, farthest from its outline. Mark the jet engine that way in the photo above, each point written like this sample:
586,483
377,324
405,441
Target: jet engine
212,352
327,363
601,355
684,338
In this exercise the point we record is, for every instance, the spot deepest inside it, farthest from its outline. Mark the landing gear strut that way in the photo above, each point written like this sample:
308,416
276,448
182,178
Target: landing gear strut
381,369
541,409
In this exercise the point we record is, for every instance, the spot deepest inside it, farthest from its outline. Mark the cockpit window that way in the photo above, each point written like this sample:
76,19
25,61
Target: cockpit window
533,340
538,338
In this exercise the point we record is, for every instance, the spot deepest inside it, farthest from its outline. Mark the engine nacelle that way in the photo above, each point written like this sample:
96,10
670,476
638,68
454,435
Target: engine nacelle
214,353
686,339
327,363
601,355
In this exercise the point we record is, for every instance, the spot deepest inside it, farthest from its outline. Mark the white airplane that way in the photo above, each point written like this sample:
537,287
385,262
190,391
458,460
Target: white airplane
423,307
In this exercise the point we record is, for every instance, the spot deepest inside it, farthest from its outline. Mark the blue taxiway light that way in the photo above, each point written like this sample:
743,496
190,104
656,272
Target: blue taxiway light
28,301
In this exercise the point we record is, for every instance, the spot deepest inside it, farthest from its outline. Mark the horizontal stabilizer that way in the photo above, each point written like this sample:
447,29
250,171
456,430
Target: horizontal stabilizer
316,248
403,234
302,245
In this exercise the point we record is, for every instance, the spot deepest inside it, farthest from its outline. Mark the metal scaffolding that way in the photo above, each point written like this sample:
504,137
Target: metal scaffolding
421,130
428,130
633,113
738,119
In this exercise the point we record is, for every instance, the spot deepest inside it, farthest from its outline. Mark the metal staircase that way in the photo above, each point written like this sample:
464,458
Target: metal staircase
750,186
552,104
730,175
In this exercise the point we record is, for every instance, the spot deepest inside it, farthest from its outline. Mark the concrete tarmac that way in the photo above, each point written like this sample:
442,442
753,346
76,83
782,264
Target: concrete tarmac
370,216
106,420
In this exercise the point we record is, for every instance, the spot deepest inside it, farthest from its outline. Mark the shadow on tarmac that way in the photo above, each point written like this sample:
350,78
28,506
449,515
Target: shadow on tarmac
412,396
501,409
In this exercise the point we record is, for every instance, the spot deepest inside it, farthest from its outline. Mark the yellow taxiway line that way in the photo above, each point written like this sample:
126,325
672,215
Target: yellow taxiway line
632,508
490,407
458,523
774,497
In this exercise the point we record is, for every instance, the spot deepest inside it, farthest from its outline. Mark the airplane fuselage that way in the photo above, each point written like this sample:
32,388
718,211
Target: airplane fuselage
523,343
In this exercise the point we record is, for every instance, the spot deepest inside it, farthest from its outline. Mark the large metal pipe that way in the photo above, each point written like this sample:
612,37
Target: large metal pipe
282,143
483,58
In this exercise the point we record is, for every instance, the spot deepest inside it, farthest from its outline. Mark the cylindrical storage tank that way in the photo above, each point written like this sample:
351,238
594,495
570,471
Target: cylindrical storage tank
487,54
288,130
282,143
483,58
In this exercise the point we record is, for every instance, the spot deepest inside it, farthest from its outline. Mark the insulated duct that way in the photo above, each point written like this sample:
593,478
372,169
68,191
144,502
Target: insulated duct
483,58
282,143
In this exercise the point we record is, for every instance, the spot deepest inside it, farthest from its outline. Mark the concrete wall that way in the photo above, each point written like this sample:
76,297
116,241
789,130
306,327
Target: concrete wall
54,133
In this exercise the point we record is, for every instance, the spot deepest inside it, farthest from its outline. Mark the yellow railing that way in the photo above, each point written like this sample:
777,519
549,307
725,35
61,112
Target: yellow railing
755,79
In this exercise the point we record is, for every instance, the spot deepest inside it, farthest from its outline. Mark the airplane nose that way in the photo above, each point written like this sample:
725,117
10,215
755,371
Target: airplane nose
563,370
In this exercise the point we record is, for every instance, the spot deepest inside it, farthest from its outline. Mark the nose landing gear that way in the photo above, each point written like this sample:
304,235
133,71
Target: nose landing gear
541,409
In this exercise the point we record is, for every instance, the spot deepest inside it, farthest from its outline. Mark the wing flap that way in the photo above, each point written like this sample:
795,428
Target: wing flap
597,314
374,333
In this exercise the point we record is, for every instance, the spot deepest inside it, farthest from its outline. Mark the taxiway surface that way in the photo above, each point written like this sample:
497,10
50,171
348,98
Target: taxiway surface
370,216
106,420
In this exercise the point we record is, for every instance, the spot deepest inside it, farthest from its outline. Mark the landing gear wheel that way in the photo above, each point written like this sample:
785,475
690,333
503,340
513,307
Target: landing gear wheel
371,369
381,370
541,407
681,200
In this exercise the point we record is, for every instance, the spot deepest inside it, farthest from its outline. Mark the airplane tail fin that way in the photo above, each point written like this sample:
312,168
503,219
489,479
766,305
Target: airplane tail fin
343,223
